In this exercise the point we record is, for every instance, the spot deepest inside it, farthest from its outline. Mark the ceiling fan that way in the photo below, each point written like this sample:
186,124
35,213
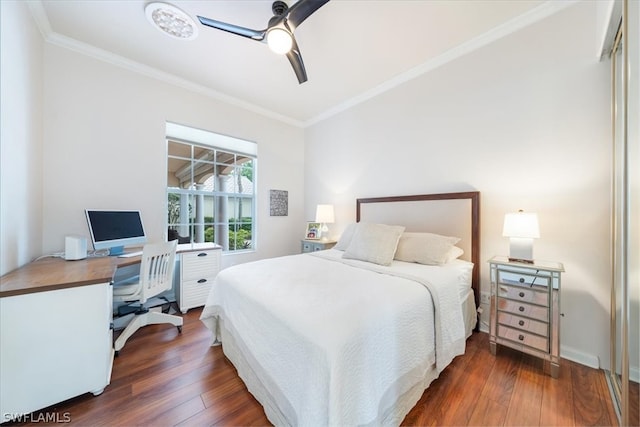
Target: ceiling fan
279,32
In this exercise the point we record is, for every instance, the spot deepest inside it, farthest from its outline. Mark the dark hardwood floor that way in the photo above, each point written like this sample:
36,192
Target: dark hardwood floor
165,378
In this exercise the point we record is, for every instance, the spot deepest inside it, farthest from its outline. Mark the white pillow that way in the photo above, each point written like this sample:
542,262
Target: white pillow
345,238
374,243
425,248
454,253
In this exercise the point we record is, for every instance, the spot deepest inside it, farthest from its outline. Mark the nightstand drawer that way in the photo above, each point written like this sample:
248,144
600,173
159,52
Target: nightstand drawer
526,338
522,278
520,293
524,309
320,245
522,323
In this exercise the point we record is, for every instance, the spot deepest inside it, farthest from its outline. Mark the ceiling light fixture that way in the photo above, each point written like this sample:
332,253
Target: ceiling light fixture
279,40
171,20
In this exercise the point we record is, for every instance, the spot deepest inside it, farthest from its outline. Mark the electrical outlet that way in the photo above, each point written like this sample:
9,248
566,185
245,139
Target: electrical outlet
485,298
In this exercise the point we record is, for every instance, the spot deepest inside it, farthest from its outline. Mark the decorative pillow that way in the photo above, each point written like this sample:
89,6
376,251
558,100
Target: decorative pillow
454,253
374,243
345,238
425,248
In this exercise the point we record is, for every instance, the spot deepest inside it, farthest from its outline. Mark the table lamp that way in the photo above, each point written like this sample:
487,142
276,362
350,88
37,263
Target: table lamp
521,228
324,215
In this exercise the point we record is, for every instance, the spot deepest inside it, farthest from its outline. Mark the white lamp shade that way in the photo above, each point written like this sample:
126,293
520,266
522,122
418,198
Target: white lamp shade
324,214
522,225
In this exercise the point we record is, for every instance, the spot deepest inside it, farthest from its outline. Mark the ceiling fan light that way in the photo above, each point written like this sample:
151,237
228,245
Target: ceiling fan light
279,40
171,20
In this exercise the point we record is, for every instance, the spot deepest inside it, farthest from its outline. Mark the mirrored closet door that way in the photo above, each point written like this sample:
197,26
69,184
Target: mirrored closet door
623,53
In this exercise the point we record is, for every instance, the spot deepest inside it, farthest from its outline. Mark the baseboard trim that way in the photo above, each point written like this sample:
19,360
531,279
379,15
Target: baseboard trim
572,354
580,357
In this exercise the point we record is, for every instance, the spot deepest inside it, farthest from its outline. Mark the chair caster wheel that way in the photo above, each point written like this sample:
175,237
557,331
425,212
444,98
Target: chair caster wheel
117,353
179,329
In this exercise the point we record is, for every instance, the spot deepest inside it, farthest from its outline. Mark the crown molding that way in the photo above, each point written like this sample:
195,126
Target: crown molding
51,37
545,10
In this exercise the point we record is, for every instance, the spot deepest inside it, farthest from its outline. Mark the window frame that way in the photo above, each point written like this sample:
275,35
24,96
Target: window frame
223,203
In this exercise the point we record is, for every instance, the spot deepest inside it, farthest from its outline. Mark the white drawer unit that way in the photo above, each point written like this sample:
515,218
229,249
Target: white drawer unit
197,271
525,304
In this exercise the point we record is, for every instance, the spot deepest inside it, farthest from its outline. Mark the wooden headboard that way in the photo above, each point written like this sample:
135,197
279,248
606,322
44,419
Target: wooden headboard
452,214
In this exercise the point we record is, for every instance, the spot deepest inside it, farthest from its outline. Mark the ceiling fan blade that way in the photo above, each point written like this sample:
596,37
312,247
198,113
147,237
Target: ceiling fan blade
295,58
302,10
233,29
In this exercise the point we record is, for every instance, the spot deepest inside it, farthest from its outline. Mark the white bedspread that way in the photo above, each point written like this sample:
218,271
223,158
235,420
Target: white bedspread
337,342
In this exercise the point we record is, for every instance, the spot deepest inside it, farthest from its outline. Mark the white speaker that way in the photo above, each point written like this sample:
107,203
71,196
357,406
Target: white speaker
75,247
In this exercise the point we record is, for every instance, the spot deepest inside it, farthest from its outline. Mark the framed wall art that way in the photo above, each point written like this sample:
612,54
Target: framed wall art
278,203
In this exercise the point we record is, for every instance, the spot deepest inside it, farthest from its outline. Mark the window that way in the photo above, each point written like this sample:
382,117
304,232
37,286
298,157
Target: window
210,189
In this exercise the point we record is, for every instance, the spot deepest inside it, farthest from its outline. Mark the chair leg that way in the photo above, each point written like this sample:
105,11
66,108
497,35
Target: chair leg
136,323
149,318
154,317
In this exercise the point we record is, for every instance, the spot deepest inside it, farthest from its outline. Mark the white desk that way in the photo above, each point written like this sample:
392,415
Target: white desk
56,337
55,332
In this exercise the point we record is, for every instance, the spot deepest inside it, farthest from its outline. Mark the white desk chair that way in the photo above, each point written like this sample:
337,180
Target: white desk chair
156,276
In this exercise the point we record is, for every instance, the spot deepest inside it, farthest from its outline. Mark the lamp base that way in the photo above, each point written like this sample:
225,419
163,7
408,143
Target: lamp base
324,232
521,249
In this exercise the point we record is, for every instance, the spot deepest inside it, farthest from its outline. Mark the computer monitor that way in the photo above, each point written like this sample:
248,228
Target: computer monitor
115,229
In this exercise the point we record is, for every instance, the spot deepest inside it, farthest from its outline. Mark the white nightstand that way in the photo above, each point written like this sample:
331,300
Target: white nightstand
525,309
316,245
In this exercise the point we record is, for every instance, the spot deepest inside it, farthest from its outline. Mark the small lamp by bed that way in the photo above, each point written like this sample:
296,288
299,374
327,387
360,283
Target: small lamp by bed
324,215
521,228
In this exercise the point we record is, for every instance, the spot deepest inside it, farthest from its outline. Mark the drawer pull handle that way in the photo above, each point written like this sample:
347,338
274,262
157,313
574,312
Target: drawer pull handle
521,308
521,323
202,280
521,280
521,294
203,254
521,337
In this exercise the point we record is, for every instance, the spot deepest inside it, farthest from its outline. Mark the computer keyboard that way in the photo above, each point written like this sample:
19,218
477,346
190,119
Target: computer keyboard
130,254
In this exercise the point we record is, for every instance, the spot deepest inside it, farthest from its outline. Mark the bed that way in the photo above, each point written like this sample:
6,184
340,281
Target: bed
348,336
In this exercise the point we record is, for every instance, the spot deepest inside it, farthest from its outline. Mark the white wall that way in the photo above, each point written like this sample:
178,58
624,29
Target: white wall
104,145
524,120
20,136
